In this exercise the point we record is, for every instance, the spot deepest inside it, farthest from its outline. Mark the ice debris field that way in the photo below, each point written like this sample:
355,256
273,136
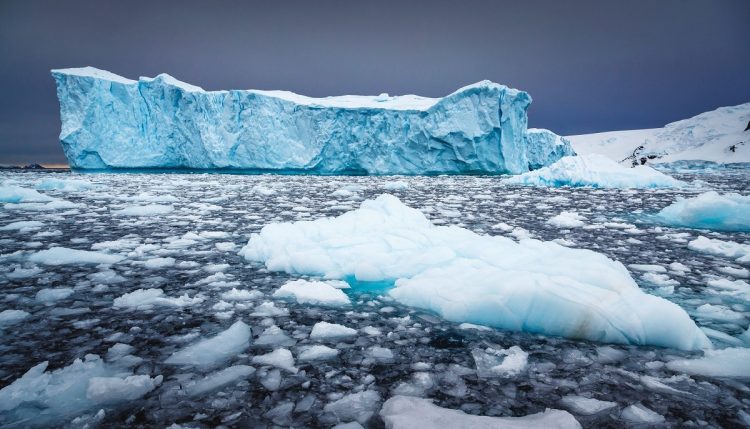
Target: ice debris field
583,294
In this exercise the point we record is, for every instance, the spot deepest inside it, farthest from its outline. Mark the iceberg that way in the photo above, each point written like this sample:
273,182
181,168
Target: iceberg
110,122
596,171
709,210
532,286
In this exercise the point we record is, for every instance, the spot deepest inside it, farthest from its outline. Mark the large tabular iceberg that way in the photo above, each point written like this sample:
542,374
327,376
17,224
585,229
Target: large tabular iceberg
531,285
112,122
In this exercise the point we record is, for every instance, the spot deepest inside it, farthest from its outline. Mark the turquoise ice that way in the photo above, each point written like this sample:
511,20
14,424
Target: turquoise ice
110,122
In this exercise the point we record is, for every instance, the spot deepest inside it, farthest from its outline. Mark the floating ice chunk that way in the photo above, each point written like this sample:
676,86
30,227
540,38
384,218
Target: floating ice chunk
279,358
730,362
312,292
225,246
504,362
111,390
735,272
638,413
263,190
659,279
118,351
241,295
585,406
710,210
736,287
147,210
419,384
355,406
649,268
157,263
398,185
719,312
107,277
148,297
271,380
10,317
65,256
16,194
214,350
486,280
269,309
566,220
730,249
52,398
219,379
274,336
318,352
23,273
404,412
50,296
596,171
22,226
380,354
65,185
350,425
326,331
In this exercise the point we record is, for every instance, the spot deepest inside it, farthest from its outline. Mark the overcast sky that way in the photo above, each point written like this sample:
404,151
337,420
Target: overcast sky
589,65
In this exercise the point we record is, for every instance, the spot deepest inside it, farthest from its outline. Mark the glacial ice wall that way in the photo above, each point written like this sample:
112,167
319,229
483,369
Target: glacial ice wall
112,122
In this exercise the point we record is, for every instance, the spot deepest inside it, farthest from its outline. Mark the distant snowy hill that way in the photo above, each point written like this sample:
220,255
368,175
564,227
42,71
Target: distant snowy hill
717,136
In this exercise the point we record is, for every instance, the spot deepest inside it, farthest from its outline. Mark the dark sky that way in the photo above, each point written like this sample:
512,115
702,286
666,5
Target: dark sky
589,65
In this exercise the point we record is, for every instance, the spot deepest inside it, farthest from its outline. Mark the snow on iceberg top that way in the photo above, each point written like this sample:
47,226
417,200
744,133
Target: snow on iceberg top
382,101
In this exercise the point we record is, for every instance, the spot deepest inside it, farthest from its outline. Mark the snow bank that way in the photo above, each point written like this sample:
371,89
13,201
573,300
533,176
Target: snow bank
710,210
732,362
50,398
596,171
405,412
312,292
531,285
66,256
214,350
715,136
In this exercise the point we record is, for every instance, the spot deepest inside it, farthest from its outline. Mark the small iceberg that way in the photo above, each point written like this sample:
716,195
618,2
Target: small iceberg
596,171
530,285
710,210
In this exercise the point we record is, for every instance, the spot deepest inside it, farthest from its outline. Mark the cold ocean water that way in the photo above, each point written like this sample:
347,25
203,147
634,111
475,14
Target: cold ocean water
181,233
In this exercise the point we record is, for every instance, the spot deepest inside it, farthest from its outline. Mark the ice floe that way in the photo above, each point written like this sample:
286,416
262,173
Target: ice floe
312,292
710,210
596,171
404,412
486,280
214,350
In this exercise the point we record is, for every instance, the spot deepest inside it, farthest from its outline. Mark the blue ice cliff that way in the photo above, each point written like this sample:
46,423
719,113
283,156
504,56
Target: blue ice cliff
111,122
